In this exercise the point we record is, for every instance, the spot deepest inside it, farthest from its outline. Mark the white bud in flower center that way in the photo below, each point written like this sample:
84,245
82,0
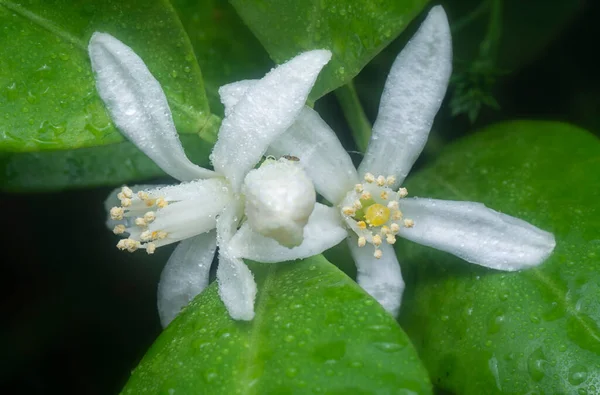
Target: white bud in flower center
279,199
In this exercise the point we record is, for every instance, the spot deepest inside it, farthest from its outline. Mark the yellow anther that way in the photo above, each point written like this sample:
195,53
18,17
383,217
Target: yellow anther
369,178
390,239
146,236
358,188
121,196
385,230
409,223
161,203
119,229
393,205
128,244
381,181
361,225
150,248
365,196
121,244
357,205
149,202
402,192
394,227
383,195
160,234
143,195
362,241
116,213
397,215
377,240
149,216
125,202
348,210
377,214
141,222
127,192
377,254
390,180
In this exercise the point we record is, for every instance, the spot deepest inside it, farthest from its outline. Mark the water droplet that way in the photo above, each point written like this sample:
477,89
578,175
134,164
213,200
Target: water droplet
64,56
536,364
388,347
291,372
289,338
577,374
187,69
174,74
210,376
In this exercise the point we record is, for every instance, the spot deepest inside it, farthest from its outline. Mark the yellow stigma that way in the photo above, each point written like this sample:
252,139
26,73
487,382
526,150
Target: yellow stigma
377,214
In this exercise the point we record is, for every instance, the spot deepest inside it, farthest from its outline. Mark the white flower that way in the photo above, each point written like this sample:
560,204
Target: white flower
278,198
371,204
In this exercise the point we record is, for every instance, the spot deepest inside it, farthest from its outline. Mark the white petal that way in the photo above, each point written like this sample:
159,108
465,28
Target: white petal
323,231
231,94
321,154
412,96
279,200
267,109
476,233
185,275
381,278
237,288
138,106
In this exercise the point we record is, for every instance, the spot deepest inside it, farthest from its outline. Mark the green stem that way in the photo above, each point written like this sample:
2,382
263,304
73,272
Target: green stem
355,115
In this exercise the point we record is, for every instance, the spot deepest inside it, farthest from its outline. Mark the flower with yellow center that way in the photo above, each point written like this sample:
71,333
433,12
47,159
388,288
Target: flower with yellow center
276,200
376,210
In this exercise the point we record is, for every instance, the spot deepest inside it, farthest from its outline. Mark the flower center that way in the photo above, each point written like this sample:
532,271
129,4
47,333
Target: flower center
372,211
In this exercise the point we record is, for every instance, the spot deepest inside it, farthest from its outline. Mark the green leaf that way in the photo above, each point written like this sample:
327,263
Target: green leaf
354,31
114,164
481,331
226,50
315,331
47,92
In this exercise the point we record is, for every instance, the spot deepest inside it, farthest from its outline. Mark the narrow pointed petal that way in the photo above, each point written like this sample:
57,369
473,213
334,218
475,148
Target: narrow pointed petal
321,154
139,107
476,233
185,275
231,94
323,231
312,141
381,278
237,288
266,110
411,98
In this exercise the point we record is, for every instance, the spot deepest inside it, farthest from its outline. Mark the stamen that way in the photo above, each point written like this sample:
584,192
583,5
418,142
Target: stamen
402,192
150,248
384,195
161,203
377,254
397,215
409,223
390,239
385,230
377,240
125,202
393,205
143,195
127,192
394,227
369,178
390,180
361,225
146,236
357,205
362,241
149,216
141,222
381,181
365,196
358,188
128,244
348,210
119,229
116,213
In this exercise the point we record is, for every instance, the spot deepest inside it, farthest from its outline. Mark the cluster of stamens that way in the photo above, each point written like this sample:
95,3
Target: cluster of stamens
136,211
376,218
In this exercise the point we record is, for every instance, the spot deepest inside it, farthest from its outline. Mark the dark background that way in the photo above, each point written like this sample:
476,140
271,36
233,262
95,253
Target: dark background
77,314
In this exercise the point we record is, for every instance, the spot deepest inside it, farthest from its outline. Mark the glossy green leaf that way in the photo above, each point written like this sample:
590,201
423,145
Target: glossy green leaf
354,31
113,164
225,48
537,331
315,331
47,92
